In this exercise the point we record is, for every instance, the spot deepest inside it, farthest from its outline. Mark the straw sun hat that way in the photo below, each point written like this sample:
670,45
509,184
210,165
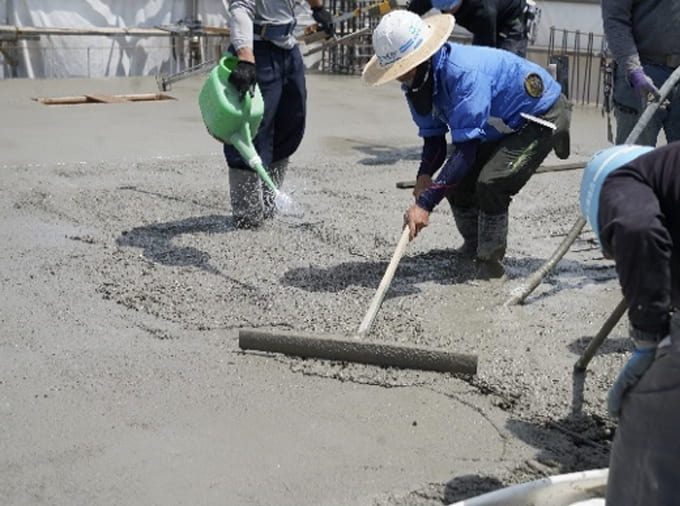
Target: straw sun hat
403,40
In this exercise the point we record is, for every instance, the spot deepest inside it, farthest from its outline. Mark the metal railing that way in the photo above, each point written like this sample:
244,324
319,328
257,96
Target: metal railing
582,58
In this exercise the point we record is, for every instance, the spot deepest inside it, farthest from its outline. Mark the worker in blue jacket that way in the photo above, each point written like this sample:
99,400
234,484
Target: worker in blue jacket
631,198
504,115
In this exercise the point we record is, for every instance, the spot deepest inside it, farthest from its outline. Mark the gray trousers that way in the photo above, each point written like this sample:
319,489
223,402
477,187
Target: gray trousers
628,108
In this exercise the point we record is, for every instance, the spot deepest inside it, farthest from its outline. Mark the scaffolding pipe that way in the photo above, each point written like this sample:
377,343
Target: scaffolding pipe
14,32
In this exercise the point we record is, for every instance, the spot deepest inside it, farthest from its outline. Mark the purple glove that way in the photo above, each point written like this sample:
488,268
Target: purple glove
643,84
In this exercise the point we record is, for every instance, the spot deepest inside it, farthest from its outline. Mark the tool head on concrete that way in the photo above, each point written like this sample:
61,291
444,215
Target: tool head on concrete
353,350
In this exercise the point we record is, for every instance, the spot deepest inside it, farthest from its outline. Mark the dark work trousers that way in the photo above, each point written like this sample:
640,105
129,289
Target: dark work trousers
515,43
628,108
636,233
503,167
513,38
644,464
281,79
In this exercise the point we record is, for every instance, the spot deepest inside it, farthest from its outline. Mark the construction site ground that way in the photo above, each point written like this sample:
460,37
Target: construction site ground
125,284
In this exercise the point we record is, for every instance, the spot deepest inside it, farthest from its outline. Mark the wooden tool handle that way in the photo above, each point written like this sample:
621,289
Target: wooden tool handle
384,284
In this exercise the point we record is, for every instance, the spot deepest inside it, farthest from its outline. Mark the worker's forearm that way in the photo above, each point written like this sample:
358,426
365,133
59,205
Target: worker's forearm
246,54
450,176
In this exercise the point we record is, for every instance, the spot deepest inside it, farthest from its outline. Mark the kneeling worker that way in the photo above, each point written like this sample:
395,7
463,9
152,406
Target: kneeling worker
631,198
505,115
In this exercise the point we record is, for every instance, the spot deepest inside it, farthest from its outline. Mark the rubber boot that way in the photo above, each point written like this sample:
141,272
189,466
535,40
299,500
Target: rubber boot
467,224
277,171
245,191
493,236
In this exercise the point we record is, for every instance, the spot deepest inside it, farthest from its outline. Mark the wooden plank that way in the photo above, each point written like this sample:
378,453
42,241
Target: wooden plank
541,170
140,97
107,99
61,100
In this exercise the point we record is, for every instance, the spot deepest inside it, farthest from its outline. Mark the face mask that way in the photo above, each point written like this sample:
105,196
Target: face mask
421,87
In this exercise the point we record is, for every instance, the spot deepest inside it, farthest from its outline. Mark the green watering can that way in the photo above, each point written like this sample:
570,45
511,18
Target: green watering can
234,121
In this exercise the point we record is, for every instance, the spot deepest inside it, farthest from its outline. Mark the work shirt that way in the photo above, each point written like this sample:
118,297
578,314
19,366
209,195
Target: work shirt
479,93
641,29
245,14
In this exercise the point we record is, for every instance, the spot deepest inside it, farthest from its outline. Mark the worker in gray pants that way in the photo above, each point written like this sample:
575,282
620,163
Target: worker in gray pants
644,39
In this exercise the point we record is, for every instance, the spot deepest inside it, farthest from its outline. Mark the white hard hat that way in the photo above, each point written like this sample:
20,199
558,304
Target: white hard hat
403,40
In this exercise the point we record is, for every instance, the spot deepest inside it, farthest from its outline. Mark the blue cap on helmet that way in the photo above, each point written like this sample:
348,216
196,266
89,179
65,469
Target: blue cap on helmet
595,172
445,5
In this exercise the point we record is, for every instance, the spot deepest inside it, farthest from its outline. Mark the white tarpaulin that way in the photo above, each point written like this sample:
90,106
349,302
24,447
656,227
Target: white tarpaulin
101,56
104,56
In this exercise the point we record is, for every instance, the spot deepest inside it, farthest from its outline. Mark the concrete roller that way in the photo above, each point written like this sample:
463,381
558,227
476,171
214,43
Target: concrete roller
358,349
353,350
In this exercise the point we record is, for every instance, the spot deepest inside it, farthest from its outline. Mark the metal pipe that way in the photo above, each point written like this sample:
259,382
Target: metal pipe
14,32
651,109
582,363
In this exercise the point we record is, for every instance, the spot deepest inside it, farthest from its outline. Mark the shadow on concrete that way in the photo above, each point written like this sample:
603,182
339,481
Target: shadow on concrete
155,240
610,345
567,275
442,266
386,155
469,485
577,442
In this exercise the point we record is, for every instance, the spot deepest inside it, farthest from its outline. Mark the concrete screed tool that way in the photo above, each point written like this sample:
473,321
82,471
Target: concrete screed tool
357,349
232,119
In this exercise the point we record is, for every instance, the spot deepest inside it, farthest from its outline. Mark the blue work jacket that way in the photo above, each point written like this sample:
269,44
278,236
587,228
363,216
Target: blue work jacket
479,93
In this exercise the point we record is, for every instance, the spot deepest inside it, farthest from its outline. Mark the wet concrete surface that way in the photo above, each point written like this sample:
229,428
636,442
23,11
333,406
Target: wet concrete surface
124,286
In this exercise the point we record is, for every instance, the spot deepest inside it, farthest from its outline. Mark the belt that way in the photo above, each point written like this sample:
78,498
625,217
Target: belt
271,31
667,60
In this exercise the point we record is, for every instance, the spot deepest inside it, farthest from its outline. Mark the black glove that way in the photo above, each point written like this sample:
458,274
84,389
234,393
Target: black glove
324,19
420,7
244,78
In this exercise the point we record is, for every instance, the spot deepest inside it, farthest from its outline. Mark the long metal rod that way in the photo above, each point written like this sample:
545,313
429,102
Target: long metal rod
642,122
165,81
541,170
543,271
14,32
582,363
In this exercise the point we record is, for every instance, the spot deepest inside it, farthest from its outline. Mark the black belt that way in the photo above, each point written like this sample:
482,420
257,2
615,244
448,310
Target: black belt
270,31
667,60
